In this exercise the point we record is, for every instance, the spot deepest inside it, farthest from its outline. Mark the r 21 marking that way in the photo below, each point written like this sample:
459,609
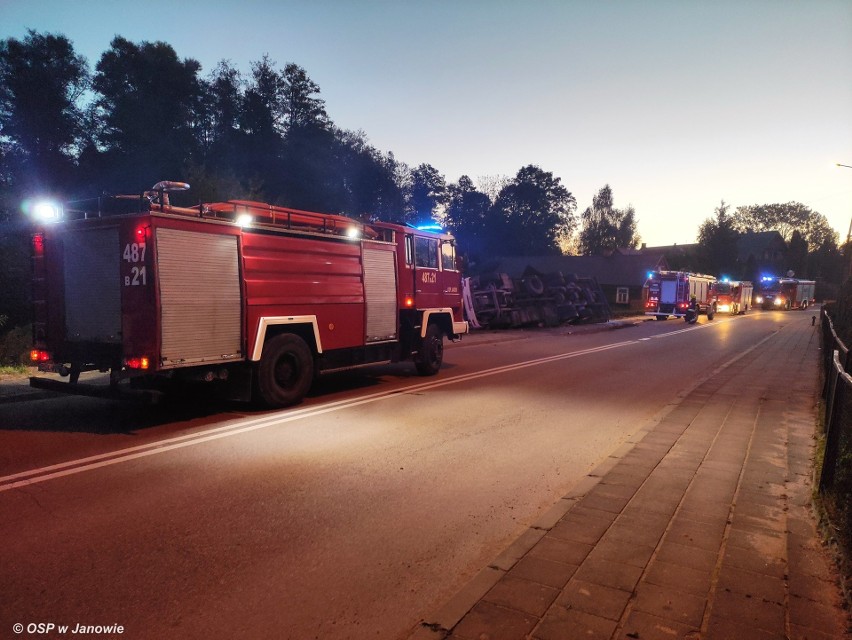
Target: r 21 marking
138,277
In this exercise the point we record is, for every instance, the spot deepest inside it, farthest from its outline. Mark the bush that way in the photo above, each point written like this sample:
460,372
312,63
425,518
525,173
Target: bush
15,346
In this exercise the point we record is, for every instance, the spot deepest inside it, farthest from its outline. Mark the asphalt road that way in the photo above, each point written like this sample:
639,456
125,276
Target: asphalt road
351,516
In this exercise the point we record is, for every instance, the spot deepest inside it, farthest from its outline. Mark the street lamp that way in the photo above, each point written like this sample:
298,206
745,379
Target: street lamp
848,238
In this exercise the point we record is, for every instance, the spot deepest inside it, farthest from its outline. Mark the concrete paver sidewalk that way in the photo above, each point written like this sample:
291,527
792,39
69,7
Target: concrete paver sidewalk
700,527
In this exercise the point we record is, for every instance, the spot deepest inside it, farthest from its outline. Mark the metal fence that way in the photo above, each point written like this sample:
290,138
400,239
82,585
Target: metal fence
837,462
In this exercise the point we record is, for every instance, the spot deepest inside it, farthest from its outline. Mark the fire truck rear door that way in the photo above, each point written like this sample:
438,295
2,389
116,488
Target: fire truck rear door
668,291
92,285
200,298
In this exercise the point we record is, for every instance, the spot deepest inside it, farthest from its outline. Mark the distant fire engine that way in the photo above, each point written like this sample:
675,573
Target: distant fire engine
254,299
668,293
785,293
733,296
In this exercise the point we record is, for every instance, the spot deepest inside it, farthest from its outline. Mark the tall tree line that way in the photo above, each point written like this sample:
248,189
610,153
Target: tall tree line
811,244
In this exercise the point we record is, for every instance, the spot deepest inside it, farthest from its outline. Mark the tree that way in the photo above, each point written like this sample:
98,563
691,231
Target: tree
223,97
785,218
299,102
813,228
797,254
298,154
149,103
467,215
428,192
532,212
366,178
42,82
717,244
605,227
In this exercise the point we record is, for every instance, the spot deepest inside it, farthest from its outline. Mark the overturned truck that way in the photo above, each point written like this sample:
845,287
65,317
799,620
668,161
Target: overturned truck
495,300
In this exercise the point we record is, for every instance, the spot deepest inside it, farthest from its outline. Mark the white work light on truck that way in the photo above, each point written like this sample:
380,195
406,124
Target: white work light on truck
46,211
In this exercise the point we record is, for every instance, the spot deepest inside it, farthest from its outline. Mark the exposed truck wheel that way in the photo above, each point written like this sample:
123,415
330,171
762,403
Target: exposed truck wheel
533,285
431,354
285,372
711,311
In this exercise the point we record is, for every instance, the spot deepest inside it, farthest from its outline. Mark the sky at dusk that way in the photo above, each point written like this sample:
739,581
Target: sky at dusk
675,104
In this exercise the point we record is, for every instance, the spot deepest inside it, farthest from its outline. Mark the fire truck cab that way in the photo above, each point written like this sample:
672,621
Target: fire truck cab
669,293
733,296
785,293
254,299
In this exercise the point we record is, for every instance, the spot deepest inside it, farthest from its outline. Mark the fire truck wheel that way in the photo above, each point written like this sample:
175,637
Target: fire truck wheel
431,355
285,372
710,313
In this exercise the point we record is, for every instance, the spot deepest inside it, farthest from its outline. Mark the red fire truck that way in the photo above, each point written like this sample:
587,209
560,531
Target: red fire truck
251,298
668,293
733,296
785,293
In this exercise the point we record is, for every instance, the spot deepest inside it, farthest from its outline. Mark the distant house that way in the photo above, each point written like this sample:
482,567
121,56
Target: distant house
762,252
621,274
680,257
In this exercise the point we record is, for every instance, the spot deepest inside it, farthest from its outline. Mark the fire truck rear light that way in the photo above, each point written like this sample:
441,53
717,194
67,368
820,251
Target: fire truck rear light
141,362
39,355
409,302
38,244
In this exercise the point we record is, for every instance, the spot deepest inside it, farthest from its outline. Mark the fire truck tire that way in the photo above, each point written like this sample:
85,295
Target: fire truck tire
710,313
285,372
431,355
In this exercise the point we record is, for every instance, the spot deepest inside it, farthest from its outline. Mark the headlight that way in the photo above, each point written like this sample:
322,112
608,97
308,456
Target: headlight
759,299
724,308
779,302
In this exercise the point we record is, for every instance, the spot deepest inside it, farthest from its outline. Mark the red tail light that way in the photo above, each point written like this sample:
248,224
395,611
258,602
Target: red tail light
39,355
38,244
142,362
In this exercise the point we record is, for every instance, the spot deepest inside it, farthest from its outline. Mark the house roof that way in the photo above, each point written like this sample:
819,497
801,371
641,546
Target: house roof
616,269
760,244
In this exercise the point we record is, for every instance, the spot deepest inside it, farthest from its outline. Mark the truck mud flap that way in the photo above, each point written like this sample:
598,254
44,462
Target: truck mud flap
146,396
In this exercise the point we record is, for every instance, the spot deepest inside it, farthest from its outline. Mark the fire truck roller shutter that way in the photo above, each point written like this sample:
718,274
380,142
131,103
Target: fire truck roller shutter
380,294
200,300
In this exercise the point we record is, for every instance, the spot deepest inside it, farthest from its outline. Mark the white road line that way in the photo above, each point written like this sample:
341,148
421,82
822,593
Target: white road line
41,474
